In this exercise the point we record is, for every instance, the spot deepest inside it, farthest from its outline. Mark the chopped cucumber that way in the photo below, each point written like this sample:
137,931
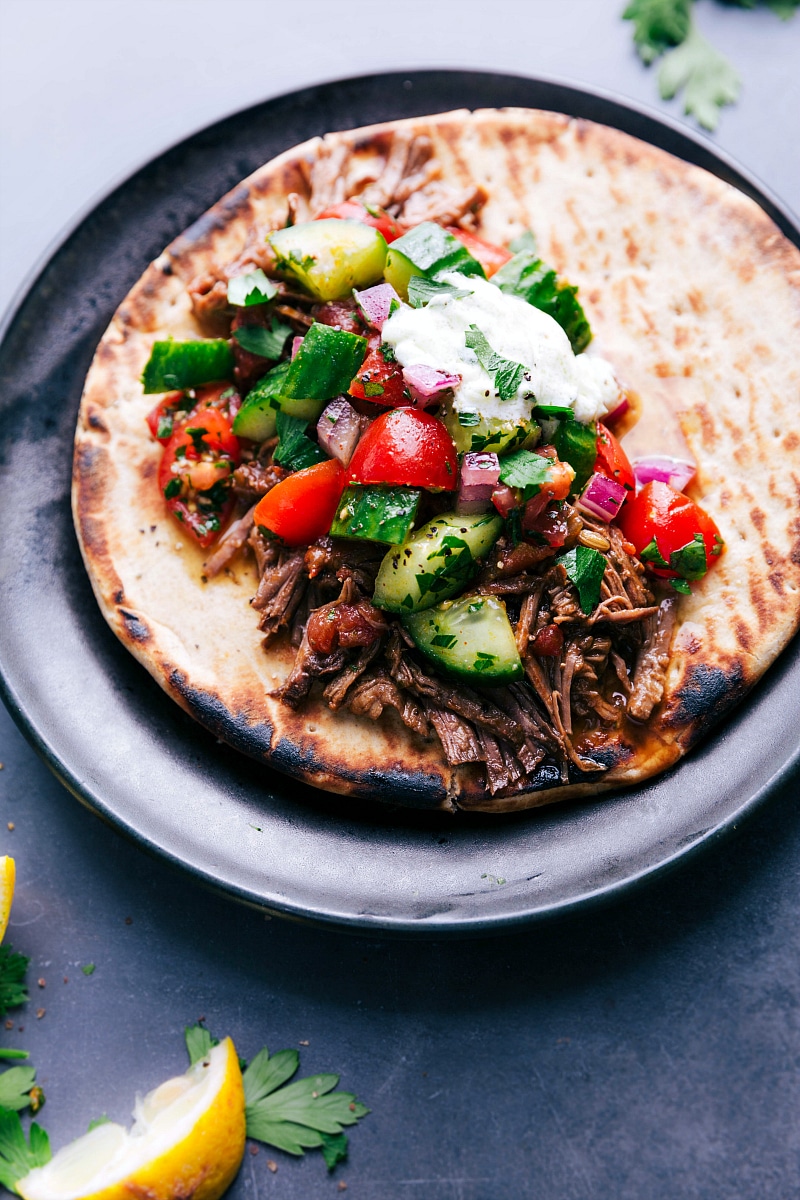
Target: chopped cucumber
325,363
427,250
470,637
436,562
176,366
378,514
329,258
256,418
473,432
528,277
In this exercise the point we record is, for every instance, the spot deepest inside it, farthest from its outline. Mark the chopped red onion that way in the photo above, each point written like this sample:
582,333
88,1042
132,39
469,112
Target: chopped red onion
426,384
480,474
339,429
677,472
296,344
617,412
602,497
376,304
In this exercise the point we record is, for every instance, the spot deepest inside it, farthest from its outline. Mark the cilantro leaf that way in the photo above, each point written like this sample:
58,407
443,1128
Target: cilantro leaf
421,291
680,585
658,24
297,1116
13,991
334,1148
18,1156
525,470
508,375
690,560
585,568
15,1084
652,554
252,288
706,75
267,343
198,1042
295,450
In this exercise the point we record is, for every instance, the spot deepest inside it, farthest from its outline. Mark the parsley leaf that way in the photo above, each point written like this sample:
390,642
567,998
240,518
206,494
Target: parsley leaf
421,291
525,470
252,288
585,568
526,276
7,1052
690,560
294,1117
15,1084
706,75
507,374
295,450
267,343
198,1042
680,585
658,24
785,9
18,1156
13,991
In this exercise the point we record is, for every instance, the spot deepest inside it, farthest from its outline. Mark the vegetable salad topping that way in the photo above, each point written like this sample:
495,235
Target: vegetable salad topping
421,464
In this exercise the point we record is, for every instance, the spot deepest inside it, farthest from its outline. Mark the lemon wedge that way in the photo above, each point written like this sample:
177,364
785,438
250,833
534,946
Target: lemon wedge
187,1141
8,874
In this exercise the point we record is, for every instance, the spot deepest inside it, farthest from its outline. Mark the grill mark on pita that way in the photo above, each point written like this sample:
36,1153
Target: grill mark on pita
135,627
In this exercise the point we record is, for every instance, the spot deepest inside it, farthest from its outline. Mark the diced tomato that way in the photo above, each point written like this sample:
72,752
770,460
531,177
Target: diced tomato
406,448
197,463
162,419
612,461
352,210
300,508
491,257
380,379
660,514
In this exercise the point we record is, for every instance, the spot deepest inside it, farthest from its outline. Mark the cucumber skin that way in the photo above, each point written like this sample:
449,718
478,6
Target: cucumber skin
397,587
330,257
179,365
376,514
427,250
445,619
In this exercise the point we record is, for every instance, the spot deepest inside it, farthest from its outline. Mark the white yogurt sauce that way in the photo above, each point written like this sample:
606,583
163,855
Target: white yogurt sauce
435,337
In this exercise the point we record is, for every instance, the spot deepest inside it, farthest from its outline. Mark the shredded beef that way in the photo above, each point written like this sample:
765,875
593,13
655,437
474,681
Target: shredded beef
377,692
279,592
253,480
652,662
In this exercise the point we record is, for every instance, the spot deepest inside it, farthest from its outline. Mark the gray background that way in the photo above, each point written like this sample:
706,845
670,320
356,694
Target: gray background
648,1050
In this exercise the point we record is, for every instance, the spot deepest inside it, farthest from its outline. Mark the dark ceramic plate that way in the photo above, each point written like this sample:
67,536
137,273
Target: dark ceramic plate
128,752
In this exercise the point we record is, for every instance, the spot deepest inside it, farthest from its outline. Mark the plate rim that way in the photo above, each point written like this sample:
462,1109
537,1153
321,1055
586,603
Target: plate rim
358,923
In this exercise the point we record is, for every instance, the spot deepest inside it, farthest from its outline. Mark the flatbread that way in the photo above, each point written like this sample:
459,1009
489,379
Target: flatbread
693,295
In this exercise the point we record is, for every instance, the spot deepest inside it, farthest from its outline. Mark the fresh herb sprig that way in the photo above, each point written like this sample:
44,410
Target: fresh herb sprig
691,65
294,1117
13,991
19,1155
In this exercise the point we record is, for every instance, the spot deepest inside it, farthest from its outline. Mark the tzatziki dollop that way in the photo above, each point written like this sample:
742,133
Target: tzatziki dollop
435,336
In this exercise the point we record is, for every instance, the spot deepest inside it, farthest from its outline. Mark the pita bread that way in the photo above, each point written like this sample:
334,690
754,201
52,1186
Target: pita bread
693,295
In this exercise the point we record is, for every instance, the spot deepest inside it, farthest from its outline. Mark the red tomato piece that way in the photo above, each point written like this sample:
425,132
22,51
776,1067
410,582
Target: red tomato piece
406,448
612,461
300,508
352,210
672,520
491,257
199,457
162,419
380,379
